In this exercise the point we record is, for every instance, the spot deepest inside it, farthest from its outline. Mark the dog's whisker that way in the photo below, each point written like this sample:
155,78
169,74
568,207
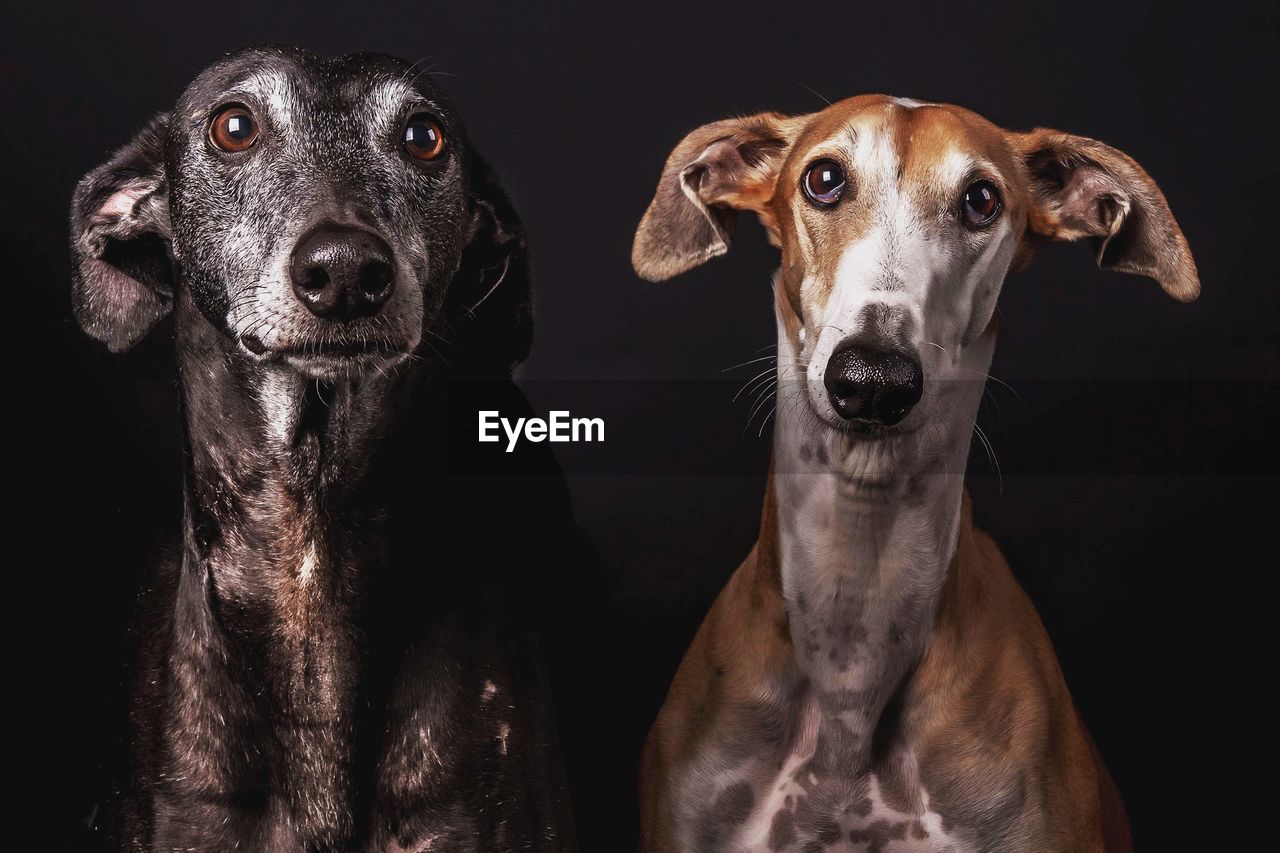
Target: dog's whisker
765,422
991,454
745,363
764,374
764,389
995,379
506,266
759,404
414,70
444,341
814,92
986,444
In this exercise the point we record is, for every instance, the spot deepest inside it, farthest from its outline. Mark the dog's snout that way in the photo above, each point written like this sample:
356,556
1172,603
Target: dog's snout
342,273
873,385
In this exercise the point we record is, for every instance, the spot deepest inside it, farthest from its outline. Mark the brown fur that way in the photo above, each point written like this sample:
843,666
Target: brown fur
986,709
1060,186
989,650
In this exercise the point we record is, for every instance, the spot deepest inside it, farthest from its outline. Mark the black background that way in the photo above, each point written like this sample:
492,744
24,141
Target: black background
1137,458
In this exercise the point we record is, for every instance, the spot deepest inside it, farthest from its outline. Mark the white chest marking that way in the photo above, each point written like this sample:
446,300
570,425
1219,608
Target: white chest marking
308,568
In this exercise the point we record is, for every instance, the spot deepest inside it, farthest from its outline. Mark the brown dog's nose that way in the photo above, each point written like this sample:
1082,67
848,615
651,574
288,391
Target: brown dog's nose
872,385
342,273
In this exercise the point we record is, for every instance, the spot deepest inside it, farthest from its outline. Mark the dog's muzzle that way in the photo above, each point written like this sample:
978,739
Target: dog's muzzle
873,386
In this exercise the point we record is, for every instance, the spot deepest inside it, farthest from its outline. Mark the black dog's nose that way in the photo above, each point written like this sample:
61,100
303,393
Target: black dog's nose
341,274
873,385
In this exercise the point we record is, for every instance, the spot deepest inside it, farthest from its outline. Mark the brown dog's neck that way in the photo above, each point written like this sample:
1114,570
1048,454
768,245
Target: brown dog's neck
861,562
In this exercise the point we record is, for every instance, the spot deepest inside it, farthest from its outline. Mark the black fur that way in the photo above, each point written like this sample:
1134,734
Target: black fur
332,656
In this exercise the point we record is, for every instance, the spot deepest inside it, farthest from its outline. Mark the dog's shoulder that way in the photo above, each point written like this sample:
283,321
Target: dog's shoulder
991,677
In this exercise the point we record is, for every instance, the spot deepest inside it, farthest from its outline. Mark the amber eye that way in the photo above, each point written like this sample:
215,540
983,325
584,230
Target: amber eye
980,204
423,138
233,129
824,182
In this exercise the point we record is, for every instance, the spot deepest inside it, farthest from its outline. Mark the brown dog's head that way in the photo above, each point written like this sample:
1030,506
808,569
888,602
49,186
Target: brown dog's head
898,222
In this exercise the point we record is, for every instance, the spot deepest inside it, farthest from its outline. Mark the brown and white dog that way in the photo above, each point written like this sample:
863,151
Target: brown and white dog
872,678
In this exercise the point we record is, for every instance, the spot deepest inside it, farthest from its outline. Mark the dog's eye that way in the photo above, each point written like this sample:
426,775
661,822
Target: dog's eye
824,182
233,129
423,138
980,204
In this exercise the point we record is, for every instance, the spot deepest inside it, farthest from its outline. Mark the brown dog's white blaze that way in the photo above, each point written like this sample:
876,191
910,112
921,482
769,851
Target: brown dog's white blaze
872,625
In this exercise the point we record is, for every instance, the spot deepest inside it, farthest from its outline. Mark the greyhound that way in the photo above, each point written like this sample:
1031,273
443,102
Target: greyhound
328,660
872,678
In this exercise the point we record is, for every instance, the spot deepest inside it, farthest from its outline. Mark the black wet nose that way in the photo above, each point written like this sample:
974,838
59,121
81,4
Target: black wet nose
873,385
341,273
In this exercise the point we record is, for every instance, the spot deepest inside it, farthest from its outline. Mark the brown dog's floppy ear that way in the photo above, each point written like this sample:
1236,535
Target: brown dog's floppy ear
120,238
1083,188
713,173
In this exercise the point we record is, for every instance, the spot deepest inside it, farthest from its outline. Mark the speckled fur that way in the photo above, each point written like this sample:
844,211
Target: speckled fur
872,678
327,662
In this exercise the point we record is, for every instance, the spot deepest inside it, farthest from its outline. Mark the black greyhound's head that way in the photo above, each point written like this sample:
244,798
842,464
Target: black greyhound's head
325,217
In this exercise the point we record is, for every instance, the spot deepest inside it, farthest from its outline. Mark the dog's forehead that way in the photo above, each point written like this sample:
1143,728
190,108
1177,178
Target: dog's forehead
908,163
288,80
911,143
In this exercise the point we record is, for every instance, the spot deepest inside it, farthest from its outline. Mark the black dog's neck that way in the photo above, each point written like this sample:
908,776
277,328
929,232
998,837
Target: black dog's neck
285,506
270,452
285,511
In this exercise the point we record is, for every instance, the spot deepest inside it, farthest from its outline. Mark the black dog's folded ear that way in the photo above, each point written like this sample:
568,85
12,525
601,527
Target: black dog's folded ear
120,239
490,302
1083,188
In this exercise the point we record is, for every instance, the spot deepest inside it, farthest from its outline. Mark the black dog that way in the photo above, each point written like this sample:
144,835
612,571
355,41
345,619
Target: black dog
330,659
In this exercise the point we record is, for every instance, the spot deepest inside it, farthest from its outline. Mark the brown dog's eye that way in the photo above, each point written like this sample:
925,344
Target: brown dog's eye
980,204
233,129
423,138
824,182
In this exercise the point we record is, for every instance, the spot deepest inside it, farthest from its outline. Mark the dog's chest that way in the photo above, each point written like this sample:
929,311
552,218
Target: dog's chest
809,795
413,764
802,811
435,772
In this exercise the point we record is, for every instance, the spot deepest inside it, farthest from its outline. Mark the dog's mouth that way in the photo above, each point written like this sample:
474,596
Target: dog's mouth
321,358
353,348
855,431
869,461
866,457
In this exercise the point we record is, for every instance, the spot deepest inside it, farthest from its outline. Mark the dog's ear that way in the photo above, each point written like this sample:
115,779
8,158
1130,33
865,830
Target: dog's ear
490,303
1082,188
120,239
715,171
